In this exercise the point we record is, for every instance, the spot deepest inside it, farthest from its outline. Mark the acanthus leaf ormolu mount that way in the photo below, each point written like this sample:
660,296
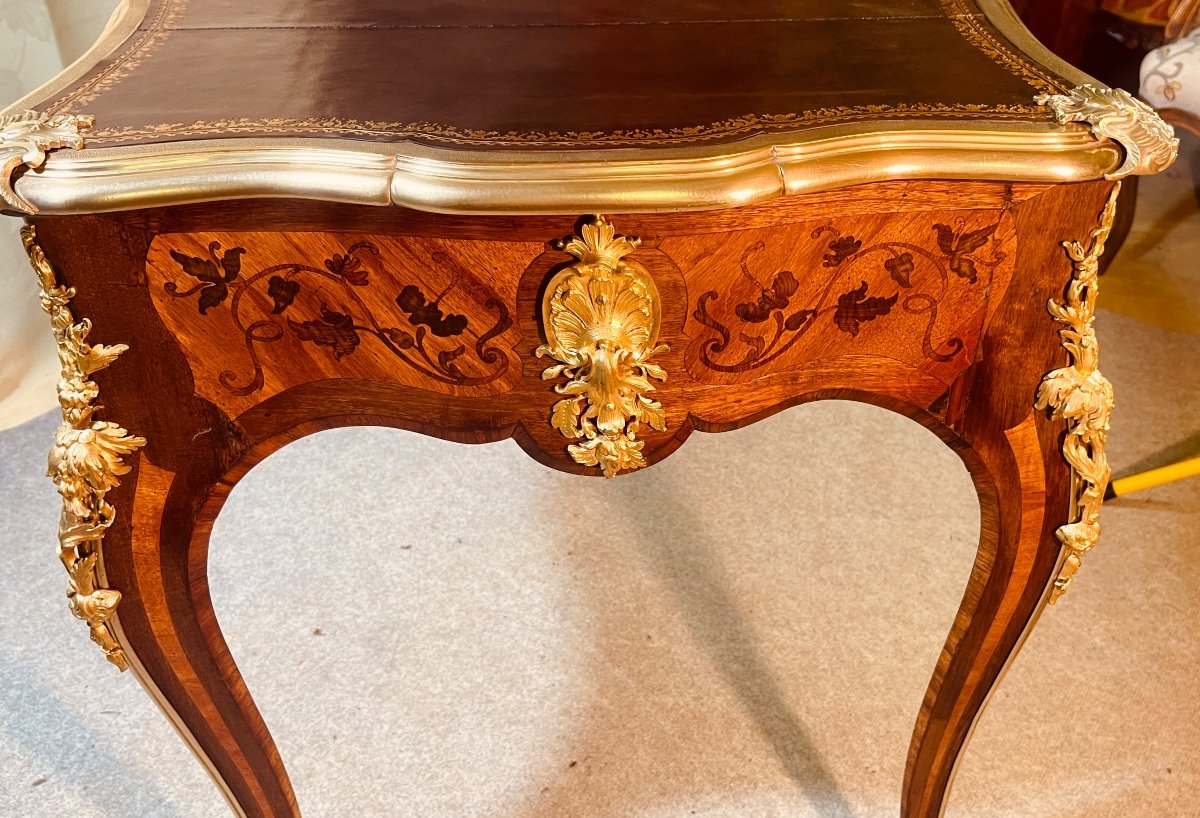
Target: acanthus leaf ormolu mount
601,318
1082,397
87,456
25,139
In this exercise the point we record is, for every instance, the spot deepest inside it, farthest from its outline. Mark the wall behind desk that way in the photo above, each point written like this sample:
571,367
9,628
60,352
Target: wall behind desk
37,39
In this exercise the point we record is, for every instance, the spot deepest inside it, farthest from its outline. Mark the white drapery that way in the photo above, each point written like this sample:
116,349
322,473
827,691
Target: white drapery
37,38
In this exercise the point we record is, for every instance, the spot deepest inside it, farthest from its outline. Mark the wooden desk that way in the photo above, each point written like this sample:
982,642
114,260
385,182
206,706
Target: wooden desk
317,214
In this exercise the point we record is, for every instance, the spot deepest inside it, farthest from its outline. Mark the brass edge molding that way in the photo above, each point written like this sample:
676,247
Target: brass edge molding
86,458
125,21
1082,397
547,182
24,140
1113,113
601,318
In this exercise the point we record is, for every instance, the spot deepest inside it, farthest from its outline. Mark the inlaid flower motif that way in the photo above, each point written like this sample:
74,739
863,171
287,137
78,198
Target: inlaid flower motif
901,268
841,249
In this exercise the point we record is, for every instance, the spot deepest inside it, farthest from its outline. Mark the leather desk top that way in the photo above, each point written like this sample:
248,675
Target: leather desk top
536,106
524,73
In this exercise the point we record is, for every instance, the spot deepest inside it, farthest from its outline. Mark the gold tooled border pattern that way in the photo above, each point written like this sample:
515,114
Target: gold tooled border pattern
972,25
967,20
748,125
122,65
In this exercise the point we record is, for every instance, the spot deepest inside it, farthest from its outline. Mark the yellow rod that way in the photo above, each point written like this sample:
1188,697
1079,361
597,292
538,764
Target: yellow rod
1156,477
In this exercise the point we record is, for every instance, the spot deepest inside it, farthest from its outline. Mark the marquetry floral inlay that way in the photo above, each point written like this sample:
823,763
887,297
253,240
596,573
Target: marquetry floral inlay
341,327
853,293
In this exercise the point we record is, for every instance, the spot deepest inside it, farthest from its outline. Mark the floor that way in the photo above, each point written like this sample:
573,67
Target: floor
436,630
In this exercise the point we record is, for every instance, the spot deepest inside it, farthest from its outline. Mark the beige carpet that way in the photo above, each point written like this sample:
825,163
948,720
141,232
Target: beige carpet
439,631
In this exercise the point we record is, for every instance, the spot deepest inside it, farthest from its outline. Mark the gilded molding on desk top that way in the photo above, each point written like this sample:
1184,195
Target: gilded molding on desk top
446,168
1113,113
86,458
1082,397
601,318
25,139
440,180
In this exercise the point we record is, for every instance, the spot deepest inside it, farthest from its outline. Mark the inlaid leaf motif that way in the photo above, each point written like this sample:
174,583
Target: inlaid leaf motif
231,261
349,268
754,342
855,307
213,273
798,319
399,337
775,297
958,247
334,329
446,358
412,301
900,268
282,292
841,249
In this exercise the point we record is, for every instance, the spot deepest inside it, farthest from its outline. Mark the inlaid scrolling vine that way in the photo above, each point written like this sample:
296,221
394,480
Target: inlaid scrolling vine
773,323
218,278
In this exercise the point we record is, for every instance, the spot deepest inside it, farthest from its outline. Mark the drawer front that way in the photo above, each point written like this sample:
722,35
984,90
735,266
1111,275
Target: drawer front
259,312
270,313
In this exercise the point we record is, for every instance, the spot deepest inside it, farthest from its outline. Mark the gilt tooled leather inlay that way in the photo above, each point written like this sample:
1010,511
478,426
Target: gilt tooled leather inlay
256,313
913,289
762,66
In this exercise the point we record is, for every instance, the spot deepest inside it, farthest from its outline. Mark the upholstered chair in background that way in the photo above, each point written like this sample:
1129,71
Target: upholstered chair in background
1170,78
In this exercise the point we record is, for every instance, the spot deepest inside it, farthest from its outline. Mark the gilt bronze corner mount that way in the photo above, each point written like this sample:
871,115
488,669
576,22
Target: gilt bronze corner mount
1113,113
24,140
1082,397
86,458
